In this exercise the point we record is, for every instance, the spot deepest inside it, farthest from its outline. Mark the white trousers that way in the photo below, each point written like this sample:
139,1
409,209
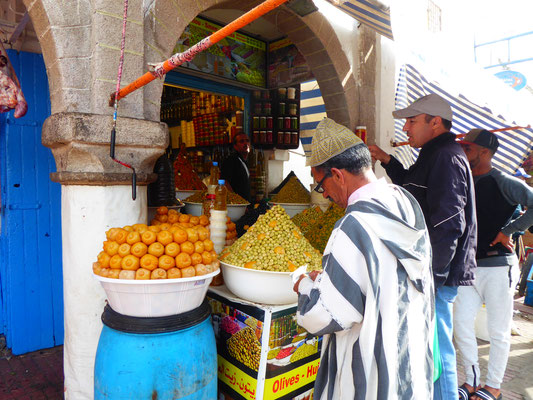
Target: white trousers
493,286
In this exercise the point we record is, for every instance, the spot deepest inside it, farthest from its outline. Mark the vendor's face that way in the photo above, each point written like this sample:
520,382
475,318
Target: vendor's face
242,145
418,131
331,184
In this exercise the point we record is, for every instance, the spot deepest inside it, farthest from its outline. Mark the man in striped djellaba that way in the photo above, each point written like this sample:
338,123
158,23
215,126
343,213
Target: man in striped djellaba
373,302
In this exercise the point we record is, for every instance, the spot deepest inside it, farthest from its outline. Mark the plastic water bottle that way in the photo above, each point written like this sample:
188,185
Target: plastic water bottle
217,220
221,193
214,174
209,200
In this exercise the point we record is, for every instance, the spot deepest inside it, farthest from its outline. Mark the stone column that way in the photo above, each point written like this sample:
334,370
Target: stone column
95,196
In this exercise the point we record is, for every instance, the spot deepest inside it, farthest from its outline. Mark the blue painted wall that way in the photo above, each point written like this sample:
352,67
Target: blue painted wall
31,278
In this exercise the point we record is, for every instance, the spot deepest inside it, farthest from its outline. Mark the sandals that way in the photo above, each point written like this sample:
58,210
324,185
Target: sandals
486,395
464,394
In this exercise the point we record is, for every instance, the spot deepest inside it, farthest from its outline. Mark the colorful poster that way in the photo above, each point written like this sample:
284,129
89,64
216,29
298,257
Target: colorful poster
238,57
287,66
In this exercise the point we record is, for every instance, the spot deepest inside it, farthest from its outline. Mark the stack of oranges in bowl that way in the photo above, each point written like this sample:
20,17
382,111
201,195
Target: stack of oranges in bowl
174,246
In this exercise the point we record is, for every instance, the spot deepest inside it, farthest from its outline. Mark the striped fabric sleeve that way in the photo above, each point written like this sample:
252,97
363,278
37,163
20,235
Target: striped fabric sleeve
335,300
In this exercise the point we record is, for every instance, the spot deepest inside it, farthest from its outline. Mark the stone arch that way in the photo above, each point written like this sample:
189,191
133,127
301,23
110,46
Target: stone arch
314,36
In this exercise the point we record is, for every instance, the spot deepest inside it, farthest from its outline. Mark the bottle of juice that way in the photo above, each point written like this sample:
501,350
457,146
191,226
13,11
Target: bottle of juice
214,174
221,194
209,201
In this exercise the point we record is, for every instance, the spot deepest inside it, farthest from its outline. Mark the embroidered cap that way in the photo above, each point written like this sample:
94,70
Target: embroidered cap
330,139
481,137
432,104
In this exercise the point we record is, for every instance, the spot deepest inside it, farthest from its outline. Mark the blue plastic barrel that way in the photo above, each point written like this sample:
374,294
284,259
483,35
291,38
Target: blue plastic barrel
160,358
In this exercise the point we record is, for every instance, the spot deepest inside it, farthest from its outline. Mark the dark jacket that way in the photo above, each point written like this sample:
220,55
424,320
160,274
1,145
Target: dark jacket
234,172
441,181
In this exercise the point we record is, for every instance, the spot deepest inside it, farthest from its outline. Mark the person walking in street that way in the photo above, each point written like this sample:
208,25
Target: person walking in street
497,196
441,181
373,300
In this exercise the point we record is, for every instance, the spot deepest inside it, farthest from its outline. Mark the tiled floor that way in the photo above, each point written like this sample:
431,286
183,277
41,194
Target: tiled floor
39,375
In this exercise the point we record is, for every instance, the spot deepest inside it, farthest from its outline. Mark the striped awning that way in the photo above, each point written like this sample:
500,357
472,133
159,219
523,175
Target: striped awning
515,145
312,111
367,13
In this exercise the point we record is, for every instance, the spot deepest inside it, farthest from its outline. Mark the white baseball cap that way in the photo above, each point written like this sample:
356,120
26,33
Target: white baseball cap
432,104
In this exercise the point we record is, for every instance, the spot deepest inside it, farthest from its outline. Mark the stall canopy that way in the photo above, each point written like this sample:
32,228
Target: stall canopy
368,14
312,111
515,145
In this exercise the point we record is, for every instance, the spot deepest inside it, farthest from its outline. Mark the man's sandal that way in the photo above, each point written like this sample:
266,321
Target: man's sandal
464,394
486,395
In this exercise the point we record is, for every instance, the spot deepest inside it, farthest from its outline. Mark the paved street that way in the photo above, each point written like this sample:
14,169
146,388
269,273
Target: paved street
39,375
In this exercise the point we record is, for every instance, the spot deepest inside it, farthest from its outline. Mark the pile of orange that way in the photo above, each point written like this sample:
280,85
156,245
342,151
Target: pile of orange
163,250
231,232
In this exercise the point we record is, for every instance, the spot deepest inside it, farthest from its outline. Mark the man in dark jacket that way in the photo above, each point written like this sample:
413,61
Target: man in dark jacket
441,181
234,169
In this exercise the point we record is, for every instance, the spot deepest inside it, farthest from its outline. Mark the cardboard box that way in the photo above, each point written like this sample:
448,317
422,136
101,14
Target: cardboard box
262,352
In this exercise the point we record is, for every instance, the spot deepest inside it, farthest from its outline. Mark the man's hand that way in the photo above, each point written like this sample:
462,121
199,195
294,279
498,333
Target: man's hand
312,275
378,154
506,241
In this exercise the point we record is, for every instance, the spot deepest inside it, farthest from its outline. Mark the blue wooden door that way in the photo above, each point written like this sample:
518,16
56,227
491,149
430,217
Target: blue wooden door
31,277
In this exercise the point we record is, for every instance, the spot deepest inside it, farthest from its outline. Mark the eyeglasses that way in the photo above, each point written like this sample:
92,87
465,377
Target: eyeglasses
319,188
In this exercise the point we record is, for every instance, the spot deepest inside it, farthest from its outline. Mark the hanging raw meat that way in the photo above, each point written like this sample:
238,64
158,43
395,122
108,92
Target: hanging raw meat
11,96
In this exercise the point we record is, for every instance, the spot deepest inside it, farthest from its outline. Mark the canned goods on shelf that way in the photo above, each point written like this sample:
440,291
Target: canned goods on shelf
281,135
269,139
294,123
294,138
281,123
270,123
262,137
287,124
282,108
263,122
287,138
256,122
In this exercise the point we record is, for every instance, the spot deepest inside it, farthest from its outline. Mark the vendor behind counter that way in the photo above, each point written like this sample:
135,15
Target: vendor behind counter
234,168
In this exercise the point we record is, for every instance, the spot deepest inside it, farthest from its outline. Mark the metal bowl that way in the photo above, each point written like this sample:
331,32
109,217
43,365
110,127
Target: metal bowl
258,286
293,208
235,211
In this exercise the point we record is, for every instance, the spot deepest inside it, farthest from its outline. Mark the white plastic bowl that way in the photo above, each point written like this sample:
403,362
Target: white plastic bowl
158,297
235,211
293,208
258,286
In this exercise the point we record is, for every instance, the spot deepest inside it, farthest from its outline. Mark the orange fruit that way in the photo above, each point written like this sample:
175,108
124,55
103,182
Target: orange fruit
261,236
120,236
142,274
131,263
231,226
207,257
161,218
173,218
213,255
154,228
113,273
184,218
292,267
124,250
192,235
111,247
183,260
194,220
279,250
164,237
133,237
172,249
199,247
149,262
110,234
155,222
128,228
273,223
158,273
97,268
173,229
148,237
171,211
126,274
203,232
104,272
187,247
180,235
103,259
115,262
188,272
166,262
208,245
165,226
156,249
139,249
203,220
250,264
196,258
200,269
140,228
174,273
162,210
